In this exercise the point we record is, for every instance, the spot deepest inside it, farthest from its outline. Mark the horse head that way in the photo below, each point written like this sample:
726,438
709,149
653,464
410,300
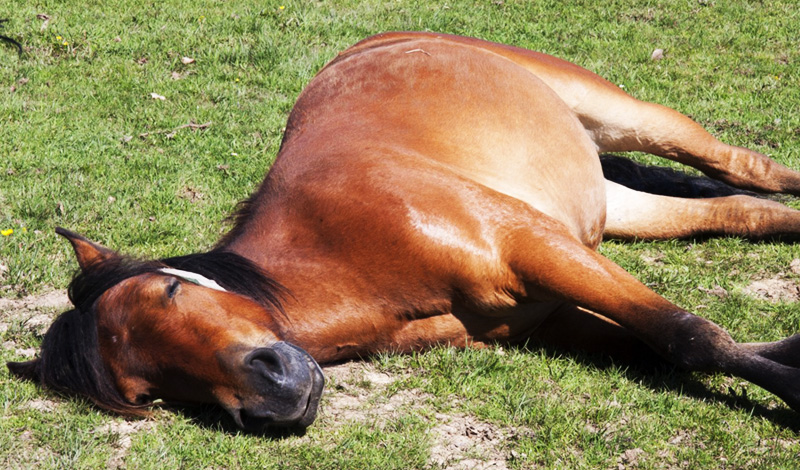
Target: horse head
141,331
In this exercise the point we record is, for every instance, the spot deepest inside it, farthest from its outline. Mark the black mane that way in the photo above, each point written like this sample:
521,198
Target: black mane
70,360
236,274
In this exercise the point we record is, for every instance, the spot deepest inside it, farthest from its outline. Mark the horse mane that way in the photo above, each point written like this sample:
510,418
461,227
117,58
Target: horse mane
70,360
236,274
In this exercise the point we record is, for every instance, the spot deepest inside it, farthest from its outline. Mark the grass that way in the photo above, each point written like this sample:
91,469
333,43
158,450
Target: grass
85,146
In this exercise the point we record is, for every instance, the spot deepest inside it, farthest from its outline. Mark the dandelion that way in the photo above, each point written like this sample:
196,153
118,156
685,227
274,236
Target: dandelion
65,43
6,232
59,38
201,19
235,79
281,7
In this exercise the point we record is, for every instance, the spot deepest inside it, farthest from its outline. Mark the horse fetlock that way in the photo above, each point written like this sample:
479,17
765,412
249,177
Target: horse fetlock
700,345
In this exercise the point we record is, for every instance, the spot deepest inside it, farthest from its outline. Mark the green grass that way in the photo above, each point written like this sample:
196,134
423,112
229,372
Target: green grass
71,155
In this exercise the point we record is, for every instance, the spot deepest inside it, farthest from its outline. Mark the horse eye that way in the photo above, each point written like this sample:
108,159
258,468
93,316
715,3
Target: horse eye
172,287
143,399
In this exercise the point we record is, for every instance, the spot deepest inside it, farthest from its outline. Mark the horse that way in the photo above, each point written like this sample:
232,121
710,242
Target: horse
429,189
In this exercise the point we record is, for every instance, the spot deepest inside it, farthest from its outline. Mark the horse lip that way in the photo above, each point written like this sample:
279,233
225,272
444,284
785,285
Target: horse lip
317,385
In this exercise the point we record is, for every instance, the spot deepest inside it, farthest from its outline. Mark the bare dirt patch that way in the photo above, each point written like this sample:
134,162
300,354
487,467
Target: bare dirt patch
776,289
123,431
358,392
28,307
35,313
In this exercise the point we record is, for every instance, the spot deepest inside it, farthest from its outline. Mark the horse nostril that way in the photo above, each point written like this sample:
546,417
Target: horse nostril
267,363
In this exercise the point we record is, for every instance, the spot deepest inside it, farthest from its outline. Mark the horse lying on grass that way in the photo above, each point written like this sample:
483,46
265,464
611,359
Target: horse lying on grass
429,189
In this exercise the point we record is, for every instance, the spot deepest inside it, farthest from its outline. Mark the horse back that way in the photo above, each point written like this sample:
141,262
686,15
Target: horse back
418,100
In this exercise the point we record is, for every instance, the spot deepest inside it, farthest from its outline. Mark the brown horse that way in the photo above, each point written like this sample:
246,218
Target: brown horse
429,189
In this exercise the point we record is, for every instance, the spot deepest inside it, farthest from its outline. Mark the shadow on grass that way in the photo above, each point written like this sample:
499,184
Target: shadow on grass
215,418
661,376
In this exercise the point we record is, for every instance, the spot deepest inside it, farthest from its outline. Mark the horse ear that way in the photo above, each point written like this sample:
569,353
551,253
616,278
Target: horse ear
28,370
87,252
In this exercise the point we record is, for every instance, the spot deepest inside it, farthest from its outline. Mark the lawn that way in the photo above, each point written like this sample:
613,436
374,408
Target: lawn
141,124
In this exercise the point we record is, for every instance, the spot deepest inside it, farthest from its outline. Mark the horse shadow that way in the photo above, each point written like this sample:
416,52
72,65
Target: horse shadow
655,374
214,418
662,377
664,181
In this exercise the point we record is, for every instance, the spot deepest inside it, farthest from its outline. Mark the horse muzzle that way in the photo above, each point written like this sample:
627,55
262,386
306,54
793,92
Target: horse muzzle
288,385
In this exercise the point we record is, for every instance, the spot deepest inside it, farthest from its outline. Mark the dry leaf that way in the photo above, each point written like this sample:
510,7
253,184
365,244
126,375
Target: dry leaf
187,60
156,96
46,20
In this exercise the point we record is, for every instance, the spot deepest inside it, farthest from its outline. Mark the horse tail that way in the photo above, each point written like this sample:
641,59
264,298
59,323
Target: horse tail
9,40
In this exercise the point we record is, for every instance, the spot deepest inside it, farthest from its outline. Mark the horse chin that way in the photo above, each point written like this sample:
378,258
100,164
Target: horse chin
302,417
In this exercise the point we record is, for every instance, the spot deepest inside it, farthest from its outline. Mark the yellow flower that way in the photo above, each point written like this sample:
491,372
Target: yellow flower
58,37
6,232
65,43
281,7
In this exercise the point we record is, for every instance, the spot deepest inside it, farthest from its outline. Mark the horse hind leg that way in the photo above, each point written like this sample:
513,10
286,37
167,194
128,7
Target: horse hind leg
618,122
632,214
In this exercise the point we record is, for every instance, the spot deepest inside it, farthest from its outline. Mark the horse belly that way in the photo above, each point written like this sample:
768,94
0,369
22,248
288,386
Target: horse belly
483,116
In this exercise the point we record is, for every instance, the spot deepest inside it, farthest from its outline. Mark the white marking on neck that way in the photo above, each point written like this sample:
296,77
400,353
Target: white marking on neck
194,278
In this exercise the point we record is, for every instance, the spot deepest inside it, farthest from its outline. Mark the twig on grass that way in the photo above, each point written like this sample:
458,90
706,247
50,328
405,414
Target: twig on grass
171,133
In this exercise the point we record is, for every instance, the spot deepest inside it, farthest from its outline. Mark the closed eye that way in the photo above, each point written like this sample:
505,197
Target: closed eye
172,287
143,399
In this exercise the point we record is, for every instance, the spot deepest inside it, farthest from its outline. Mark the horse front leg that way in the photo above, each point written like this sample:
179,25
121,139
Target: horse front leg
551,263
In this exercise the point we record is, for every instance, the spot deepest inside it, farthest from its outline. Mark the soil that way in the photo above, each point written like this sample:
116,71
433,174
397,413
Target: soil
776,289
357,392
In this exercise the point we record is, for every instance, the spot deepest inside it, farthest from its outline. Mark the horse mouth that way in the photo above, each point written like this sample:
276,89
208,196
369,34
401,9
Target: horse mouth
306,412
